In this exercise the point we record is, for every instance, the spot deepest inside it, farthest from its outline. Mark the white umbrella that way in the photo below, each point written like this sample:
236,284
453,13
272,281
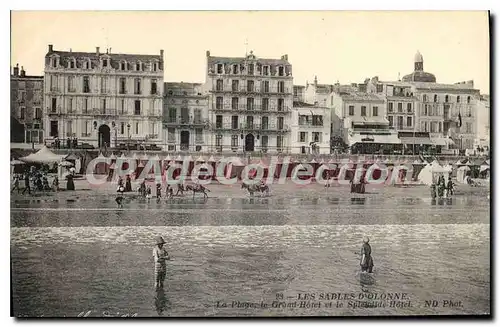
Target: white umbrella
200,159
168,158
112,156
212,159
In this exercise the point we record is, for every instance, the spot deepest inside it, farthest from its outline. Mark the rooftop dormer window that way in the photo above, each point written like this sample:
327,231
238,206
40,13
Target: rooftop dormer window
123,65
138,66
54,62
87,64
155,66
72,63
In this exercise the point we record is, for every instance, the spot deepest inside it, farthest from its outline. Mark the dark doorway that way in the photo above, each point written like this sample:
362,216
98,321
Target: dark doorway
184,140
54,128
104,135
249,142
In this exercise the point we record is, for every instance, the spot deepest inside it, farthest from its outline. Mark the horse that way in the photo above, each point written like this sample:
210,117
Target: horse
198,188
181,189
255,187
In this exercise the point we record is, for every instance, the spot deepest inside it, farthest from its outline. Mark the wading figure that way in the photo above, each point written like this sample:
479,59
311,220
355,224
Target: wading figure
366,262
251,188
198,188
449,187
160,256
169,191
263,188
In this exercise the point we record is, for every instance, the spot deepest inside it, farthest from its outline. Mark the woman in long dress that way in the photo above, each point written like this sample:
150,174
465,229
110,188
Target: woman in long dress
366,262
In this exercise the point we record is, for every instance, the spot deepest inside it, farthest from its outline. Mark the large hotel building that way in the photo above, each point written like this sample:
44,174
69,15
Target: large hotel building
250,103
104,99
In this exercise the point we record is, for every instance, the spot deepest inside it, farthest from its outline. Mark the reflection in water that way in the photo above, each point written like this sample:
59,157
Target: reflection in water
161,301
358,201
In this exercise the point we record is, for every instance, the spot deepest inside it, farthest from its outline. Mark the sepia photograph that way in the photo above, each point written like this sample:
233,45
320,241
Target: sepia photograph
212,164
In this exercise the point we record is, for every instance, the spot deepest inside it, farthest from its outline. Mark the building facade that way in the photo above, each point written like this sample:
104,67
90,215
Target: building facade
185,117
483,123
250,103
310,129
299,93
26,107
431,107
360,118
104,99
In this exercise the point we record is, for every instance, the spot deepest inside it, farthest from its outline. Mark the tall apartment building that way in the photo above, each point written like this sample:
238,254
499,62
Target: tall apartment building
26,104
185,117
483,122
250,102
103,98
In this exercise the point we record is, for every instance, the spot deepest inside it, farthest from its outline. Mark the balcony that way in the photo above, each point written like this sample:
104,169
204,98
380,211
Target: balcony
104,112
247,127
310,125
185,121
257,89
53,111
257,108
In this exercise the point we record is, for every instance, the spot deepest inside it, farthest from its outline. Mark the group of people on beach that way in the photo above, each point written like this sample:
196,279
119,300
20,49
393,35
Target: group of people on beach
442,188
35,180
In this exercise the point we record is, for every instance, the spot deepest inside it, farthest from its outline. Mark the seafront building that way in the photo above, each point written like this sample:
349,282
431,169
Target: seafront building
103,99
250,102
186,124
26,104
310,129
447,112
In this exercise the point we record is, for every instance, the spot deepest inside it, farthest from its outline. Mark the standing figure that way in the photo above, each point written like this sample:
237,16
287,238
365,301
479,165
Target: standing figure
55,184
366,256
16,184
70,185
128,184
160,255
27,183
433,191
119,197
449,187
158,190
148,193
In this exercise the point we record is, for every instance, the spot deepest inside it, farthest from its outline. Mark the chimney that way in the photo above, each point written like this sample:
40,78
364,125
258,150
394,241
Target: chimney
285,57
208,53
23,73
315,80
97,50
161,54
51,48
109,50
16,70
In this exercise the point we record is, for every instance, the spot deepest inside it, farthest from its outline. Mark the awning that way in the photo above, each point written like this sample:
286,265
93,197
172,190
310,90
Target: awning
439,141
416,140
369,120
381,139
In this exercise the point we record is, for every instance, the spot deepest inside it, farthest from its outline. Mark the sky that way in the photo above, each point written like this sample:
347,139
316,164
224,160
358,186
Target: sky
343,46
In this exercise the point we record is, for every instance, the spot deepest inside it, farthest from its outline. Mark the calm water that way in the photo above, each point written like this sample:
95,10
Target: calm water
80,253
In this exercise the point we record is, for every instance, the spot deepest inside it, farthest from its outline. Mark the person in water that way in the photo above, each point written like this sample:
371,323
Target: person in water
160,256
119,197
366,256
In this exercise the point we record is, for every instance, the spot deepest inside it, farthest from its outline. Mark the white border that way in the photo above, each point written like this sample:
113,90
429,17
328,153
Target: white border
198,5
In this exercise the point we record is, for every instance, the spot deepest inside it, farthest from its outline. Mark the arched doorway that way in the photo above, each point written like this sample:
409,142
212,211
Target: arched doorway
249,142
104,135
185,140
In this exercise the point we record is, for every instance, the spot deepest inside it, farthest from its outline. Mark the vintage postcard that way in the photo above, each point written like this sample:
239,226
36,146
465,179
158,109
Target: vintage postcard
250,164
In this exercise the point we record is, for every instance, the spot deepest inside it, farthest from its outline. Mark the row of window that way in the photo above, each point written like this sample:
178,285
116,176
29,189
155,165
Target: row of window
316,137
446,98
37,113
250,86
363,111
185,114
390,107
400,121
265,70
104,83
87,128
250,103
198,135
429,110
315,120
104,106
264,141
123,65
249,122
